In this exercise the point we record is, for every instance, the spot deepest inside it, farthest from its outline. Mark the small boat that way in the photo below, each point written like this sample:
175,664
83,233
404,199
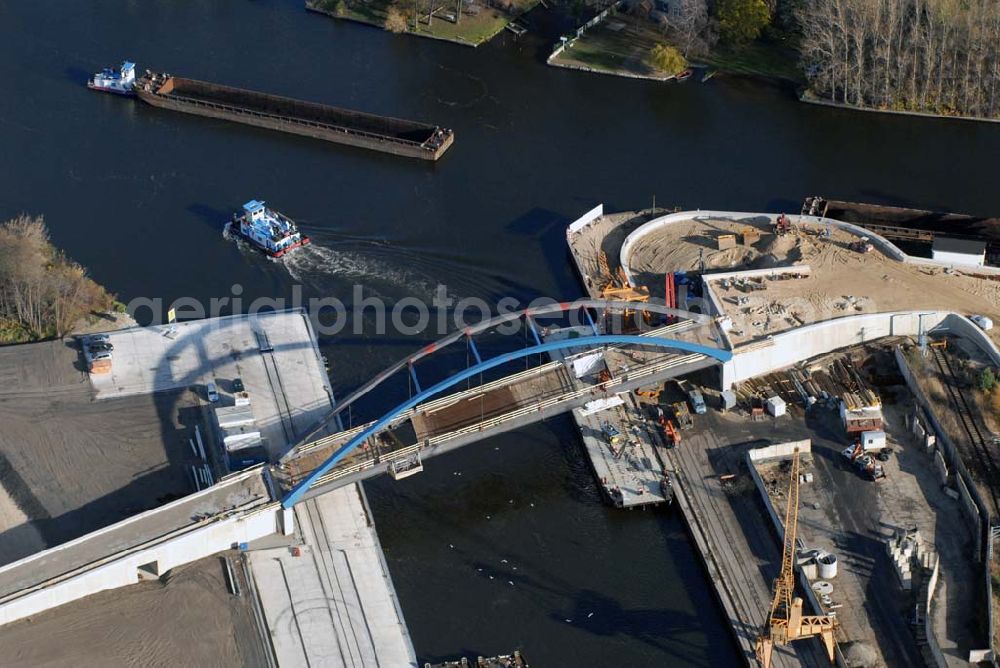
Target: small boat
267,230
110,81
685,75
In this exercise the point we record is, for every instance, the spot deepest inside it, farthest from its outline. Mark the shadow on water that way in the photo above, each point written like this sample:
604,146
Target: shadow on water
209,216
77,75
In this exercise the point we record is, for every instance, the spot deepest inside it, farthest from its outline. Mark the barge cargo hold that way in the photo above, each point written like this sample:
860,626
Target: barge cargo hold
343,126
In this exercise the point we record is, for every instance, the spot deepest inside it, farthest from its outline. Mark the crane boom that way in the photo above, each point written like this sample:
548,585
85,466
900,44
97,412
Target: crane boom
785,621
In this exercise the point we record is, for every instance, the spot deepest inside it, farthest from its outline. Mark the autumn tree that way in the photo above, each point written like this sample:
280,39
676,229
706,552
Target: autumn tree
667,59
395,20
42,292
741,21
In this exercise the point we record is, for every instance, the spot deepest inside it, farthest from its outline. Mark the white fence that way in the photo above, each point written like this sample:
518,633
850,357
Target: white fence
582,29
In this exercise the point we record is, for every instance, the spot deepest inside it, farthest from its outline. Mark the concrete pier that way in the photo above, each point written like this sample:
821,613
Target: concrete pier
736,547
328,599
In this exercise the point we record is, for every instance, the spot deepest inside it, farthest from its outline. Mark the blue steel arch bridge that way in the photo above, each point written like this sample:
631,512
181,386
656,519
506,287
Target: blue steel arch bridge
588,362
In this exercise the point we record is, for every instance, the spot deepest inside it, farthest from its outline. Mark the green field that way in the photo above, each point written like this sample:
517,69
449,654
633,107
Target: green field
618,45
477,25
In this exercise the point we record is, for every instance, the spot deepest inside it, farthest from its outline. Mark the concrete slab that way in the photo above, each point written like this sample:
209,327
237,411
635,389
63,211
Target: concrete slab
273,353
334,605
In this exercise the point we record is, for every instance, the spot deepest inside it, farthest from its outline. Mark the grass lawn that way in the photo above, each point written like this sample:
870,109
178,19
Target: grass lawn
473,29
618,45
764,57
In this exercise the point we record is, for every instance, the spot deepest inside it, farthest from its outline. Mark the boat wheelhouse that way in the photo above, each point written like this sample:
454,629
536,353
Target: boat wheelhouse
119,82
273,233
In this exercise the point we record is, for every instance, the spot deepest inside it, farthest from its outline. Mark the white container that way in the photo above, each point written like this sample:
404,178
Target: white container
776,406
872,440
237,438
984,323
827,566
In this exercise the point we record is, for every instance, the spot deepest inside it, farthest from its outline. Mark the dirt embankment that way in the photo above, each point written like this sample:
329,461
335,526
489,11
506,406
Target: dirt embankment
190,619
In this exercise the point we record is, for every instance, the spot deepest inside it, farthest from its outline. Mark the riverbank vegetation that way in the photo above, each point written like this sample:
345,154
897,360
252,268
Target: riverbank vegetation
737,36
43,294
470,22
930,56
936,56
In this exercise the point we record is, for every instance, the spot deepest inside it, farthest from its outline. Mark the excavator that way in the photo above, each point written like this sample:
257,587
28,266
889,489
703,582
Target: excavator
785,622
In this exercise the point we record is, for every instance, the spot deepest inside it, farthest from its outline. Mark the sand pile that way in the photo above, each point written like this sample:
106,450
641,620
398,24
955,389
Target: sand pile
781,251
740,256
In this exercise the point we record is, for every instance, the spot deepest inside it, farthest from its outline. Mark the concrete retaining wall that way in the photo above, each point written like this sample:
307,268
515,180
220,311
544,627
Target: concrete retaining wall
636,236
191,545
585,219
932,643
785,451
972,505
789,348
974,510
803,343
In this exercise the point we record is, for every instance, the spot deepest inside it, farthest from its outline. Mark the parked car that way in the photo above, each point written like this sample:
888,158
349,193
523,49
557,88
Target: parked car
100,355
100,347
212,391
238,385
98,338
697,402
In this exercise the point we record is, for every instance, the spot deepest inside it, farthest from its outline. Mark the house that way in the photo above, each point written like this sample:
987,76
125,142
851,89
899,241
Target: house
964,252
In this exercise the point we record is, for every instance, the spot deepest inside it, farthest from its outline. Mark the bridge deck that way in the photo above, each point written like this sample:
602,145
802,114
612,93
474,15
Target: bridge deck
476,406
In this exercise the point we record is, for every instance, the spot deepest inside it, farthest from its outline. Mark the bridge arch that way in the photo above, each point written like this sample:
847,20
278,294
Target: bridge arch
295,495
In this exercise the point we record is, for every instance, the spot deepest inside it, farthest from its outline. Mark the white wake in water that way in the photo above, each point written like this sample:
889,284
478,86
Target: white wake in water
310,263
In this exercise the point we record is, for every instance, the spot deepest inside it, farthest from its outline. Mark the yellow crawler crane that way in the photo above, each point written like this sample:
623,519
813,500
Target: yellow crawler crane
786,623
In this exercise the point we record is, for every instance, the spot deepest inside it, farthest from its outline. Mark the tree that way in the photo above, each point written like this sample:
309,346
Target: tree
687,22
987,380
42,292
667,59
395,21
940,56
741,21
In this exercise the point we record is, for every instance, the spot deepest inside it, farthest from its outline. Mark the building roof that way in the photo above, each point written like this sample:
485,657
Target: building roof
964,246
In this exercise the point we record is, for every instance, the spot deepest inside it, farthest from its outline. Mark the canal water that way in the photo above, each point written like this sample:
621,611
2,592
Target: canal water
503,544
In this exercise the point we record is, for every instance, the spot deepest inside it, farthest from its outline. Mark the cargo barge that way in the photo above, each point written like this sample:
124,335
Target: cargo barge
343,126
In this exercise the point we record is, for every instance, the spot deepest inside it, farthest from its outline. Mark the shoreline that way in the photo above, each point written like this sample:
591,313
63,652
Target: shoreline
805,97
451,40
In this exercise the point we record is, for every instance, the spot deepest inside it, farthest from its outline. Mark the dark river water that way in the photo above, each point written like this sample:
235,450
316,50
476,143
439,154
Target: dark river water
504,544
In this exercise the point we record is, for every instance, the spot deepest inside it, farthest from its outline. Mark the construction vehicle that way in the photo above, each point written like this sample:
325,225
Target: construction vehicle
671,433
651,393
611,433
785,621
782,225
862,245
863,462
681,414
